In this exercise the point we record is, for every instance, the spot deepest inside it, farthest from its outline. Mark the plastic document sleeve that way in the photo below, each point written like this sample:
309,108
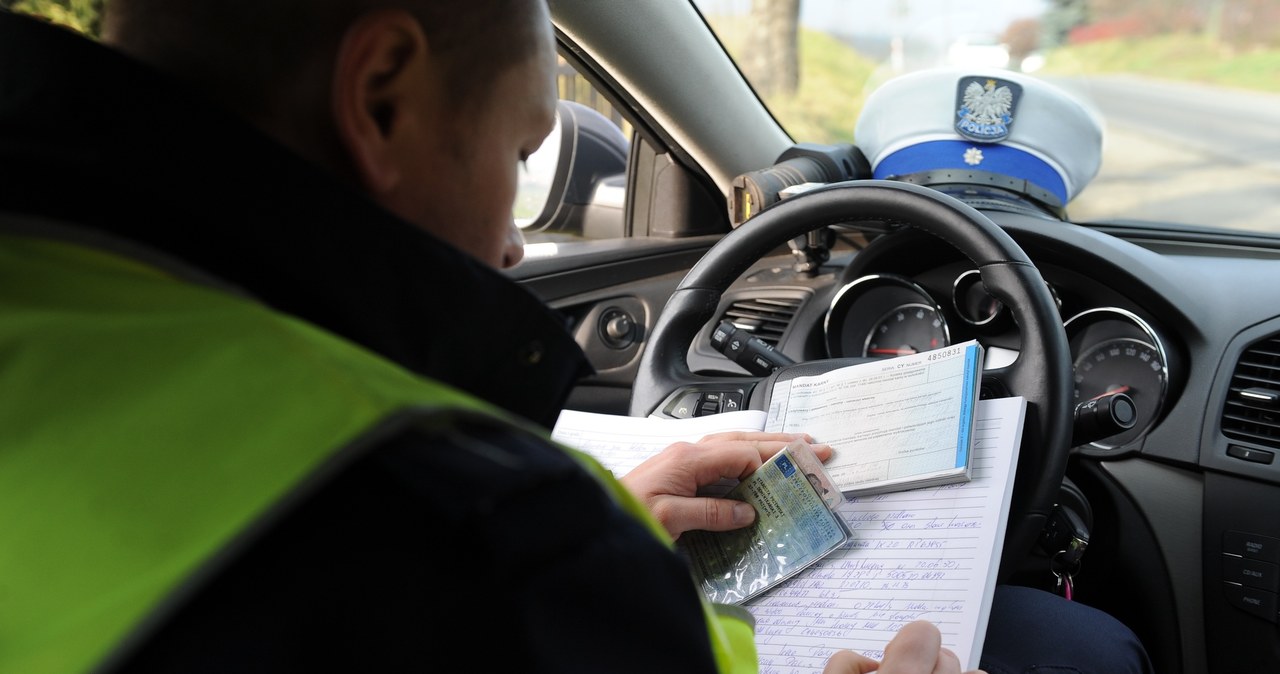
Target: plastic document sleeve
795,526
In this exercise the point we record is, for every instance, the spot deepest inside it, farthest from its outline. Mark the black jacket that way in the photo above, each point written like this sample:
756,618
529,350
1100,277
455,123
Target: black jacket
423,548
89,136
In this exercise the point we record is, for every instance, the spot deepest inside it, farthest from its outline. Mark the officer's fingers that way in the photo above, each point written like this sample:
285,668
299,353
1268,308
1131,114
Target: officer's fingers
668,481
763,446
682,467
679,514
756,435
705,463
949,662
780,439
848,662
823,452
916,649
711,461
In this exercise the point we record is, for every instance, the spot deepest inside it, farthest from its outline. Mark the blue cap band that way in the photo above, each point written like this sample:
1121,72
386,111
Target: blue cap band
969,156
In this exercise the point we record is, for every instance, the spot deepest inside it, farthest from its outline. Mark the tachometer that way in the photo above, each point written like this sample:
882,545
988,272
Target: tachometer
881,316
908,329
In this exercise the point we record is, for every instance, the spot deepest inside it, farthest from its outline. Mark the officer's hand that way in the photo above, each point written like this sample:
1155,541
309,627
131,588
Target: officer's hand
916,649
668,482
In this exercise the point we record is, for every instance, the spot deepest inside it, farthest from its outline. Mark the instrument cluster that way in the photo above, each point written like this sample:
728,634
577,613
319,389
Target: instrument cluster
1113,349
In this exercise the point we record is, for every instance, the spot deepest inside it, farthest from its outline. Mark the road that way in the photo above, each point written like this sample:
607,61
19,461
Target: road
1185,153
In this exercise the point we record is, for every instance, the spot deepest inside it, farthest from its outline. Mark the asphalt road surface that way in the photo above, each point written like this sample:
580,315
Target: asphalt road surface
1183,152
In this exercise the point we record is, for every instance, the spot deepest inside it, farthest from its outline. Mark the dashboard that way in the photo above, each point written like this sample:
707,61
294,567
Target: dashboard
900,292
1146,312
1185,322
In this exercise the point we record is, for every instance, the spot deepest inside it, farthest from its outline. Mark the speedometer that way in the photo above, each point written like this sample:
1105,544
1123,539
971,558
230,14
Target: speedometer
1114,351
1122,365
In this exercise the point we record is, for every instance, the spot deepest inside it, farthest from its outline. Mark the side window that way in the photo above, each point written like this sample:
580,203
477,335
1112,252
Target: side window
574,187
574,87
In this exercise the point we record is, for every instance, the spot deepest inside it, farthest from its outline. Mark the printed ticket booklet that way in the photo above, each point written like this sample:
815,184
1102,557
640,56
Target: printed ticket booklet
795,526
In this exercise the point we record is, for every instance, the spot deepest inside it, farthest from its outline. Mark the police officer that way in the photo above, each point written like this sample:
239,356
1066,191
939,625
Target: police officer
220,451
257,417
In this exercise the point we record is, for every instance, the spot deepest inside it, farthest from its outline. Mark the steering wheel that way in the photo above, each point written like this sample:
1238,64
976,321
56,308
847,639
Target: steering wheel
1042,372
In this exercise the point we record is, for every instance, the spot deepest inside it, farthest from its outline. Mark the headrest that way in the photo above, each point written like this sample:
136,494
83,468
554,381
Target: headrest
981,126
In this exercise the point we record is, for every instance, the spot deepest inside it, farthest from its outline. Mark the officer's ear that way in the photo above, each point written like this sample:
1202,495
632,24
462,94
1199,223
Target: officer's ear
387,93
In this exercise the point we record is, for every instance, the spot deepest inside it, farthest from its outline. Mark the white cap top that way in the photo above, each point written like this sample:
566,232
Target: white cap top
982,126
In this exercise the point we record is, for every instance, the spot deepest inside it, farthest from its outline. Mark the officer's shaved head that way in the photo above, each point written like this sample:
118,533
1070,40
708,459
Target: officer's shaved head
275,62
248,53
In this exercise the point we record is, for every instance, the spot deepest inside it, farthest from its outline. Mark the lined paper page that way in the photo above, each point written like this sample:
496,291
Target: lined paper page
621,443
928,554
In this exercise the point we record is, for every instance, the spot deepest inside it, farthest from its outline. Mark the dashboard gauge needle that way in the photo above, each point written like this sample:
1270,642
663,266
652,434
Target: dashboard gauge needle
1118,389
894,352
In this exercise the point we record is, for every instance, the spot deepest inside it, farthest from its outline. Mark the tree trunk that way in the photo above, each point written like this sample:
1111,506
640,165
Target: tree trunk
771,58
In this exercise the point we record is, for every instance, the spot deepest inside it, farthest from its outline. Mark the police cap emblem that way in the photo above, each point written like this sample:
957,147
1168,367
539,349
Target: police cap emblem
985,108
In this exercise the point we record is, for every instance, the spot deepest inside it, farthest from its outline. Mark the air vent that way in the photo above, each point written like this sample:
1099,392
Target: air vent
1252,412
764,317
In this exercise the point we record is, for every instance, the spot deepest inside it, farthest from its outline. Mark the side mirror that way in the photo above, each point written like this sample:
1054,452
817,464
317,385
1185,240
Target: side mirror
575,184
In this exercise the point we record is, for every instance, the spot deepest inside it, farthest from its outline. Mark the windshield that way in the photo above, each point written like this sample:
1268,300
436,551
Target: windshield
1188,90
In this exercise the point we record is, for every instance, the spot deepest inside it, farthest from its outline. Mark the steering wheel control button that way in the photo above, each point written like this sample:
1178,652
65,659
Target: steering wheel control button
1250,572
686,406
705,402
1250,454
710,403
1252,546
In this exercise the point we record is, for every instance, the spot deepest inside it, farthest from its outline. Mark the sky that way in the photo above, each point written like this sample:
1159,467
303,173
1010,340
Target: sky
887,17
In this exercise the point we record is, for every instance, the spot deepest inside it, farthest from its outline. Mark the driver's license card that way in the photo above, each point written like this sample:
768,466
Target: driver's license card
795,526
